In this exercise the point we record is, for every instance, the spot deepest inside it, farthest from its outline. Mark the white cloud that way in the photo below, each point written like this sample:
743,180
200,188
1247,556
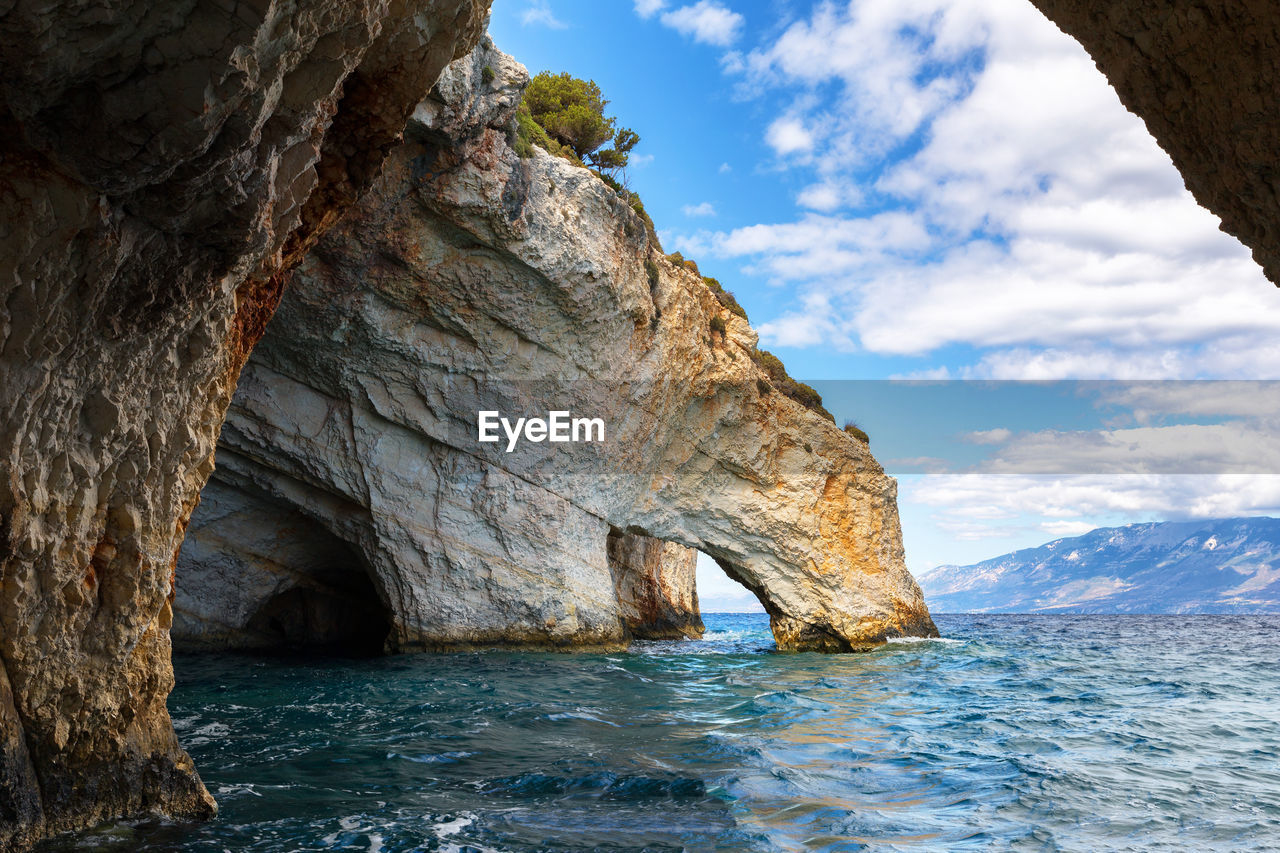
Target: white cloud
1054,237
1150,400
828,196
1239,447
788,135
539,13
725,168
824,197
1064,529
1058,500
998,435
706,208
1067,482
706,21
648,8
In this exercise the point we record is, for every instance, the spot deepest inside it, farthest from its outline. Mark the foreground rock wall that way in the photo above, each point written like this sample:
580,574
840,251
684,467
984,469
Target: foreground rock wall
162,165
471,279
656,585
1203,76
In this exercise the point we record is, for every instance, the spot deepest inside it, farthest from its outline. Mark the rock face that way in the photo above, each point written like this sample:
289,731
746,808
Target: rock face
162,166
470,279
655,582
1203,76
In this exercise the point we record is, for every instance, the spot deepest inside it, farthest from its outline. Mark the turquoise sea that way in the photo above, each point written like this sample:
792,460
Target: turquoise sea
1086,733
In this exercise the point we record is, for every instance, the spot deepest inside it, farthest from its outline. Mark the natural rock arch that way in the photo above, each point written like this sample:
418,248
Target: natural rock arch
471,279
120,511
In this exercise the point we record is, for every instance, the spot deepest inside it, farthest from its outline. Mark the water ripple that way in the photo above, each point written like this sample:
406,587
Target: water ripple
1025,733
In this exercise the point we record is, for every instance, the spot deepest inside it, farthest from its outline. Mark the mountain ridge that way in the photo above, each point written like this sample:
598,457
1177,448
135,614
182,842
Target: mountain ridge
1226,565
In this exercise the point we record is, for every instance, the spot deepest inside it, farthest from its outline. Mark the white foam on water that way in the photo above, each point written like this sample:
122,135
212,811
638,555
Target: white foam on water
453,827
949,641
447,828
242,788
580,715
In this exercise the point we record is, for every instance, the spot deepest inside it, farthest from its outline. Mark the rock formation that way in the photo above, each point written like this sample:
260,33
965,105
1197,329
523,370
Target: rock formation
1203,76
162,166
655,582
471,279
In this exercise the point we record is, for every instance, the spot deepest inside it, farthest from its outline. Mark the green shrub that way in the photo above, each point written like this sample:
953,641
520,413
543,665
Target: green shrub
771,365
725,297
806,396
487,74
564,116
718,324
529,133
633,199
571,111
651,271
857,432
681,261
798,391
610,181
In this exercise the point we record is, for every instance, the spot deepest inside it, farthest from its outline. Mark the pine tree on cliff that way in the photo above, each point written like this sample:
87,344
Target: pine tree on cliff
571,111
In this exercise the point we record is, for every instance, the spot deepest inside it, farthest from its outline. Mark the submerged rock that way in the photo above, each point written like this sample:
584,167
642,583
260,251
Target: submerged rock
470,279
162,166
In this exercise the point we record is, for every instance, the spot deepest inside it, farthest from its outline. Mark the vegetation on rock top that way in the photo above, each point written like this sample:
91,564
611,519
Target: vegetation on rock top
571,112
853,429
565,116
803,394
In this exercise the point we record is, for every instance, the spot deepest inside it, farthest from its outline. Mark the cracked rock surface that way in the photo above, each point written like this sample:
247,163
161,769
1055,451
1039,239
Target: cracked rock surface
470,279
162,166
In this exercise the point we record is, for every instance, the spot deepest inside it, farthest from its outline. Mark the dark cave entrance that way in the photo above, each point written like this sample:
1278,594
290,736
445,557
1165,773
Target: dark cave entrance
338,615
328,606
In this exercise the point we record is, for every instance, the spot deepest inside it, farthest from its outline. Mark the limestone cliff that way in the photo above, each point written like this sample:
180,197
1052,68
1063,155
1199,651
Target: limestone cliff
162,166
656,586
1203,76
471,279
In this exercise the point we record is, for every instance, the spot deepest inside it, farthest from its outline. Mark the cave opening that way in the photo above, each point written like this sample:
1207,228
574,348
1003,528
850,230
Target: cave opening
337,614
257,575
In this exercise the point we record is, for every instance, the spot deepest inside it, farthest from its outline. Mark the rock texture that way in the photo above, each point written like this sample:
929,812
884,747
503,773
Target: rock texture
656,586
162,166
1203,76
471,279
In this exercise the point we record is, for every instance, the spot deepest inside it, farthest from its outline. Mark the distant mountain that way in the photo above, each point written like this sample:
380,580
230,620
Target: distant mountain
1229,565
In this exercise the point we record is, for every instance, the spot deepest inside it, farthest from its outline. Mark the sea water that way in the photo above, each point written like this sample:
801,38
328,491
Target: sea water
1084,733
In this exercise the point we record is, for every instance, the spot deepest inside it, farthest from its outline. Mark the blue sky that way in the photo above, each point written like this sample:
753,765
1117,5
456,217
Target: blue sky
923,188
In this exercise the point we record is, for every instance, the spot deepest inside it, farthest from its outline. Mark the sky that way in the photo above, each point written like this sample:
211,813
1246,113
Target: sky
932,190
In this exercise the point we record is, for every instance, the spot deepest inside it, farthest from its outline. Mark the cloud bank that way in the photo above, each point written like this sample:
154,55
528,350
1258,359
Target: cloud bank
975,185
